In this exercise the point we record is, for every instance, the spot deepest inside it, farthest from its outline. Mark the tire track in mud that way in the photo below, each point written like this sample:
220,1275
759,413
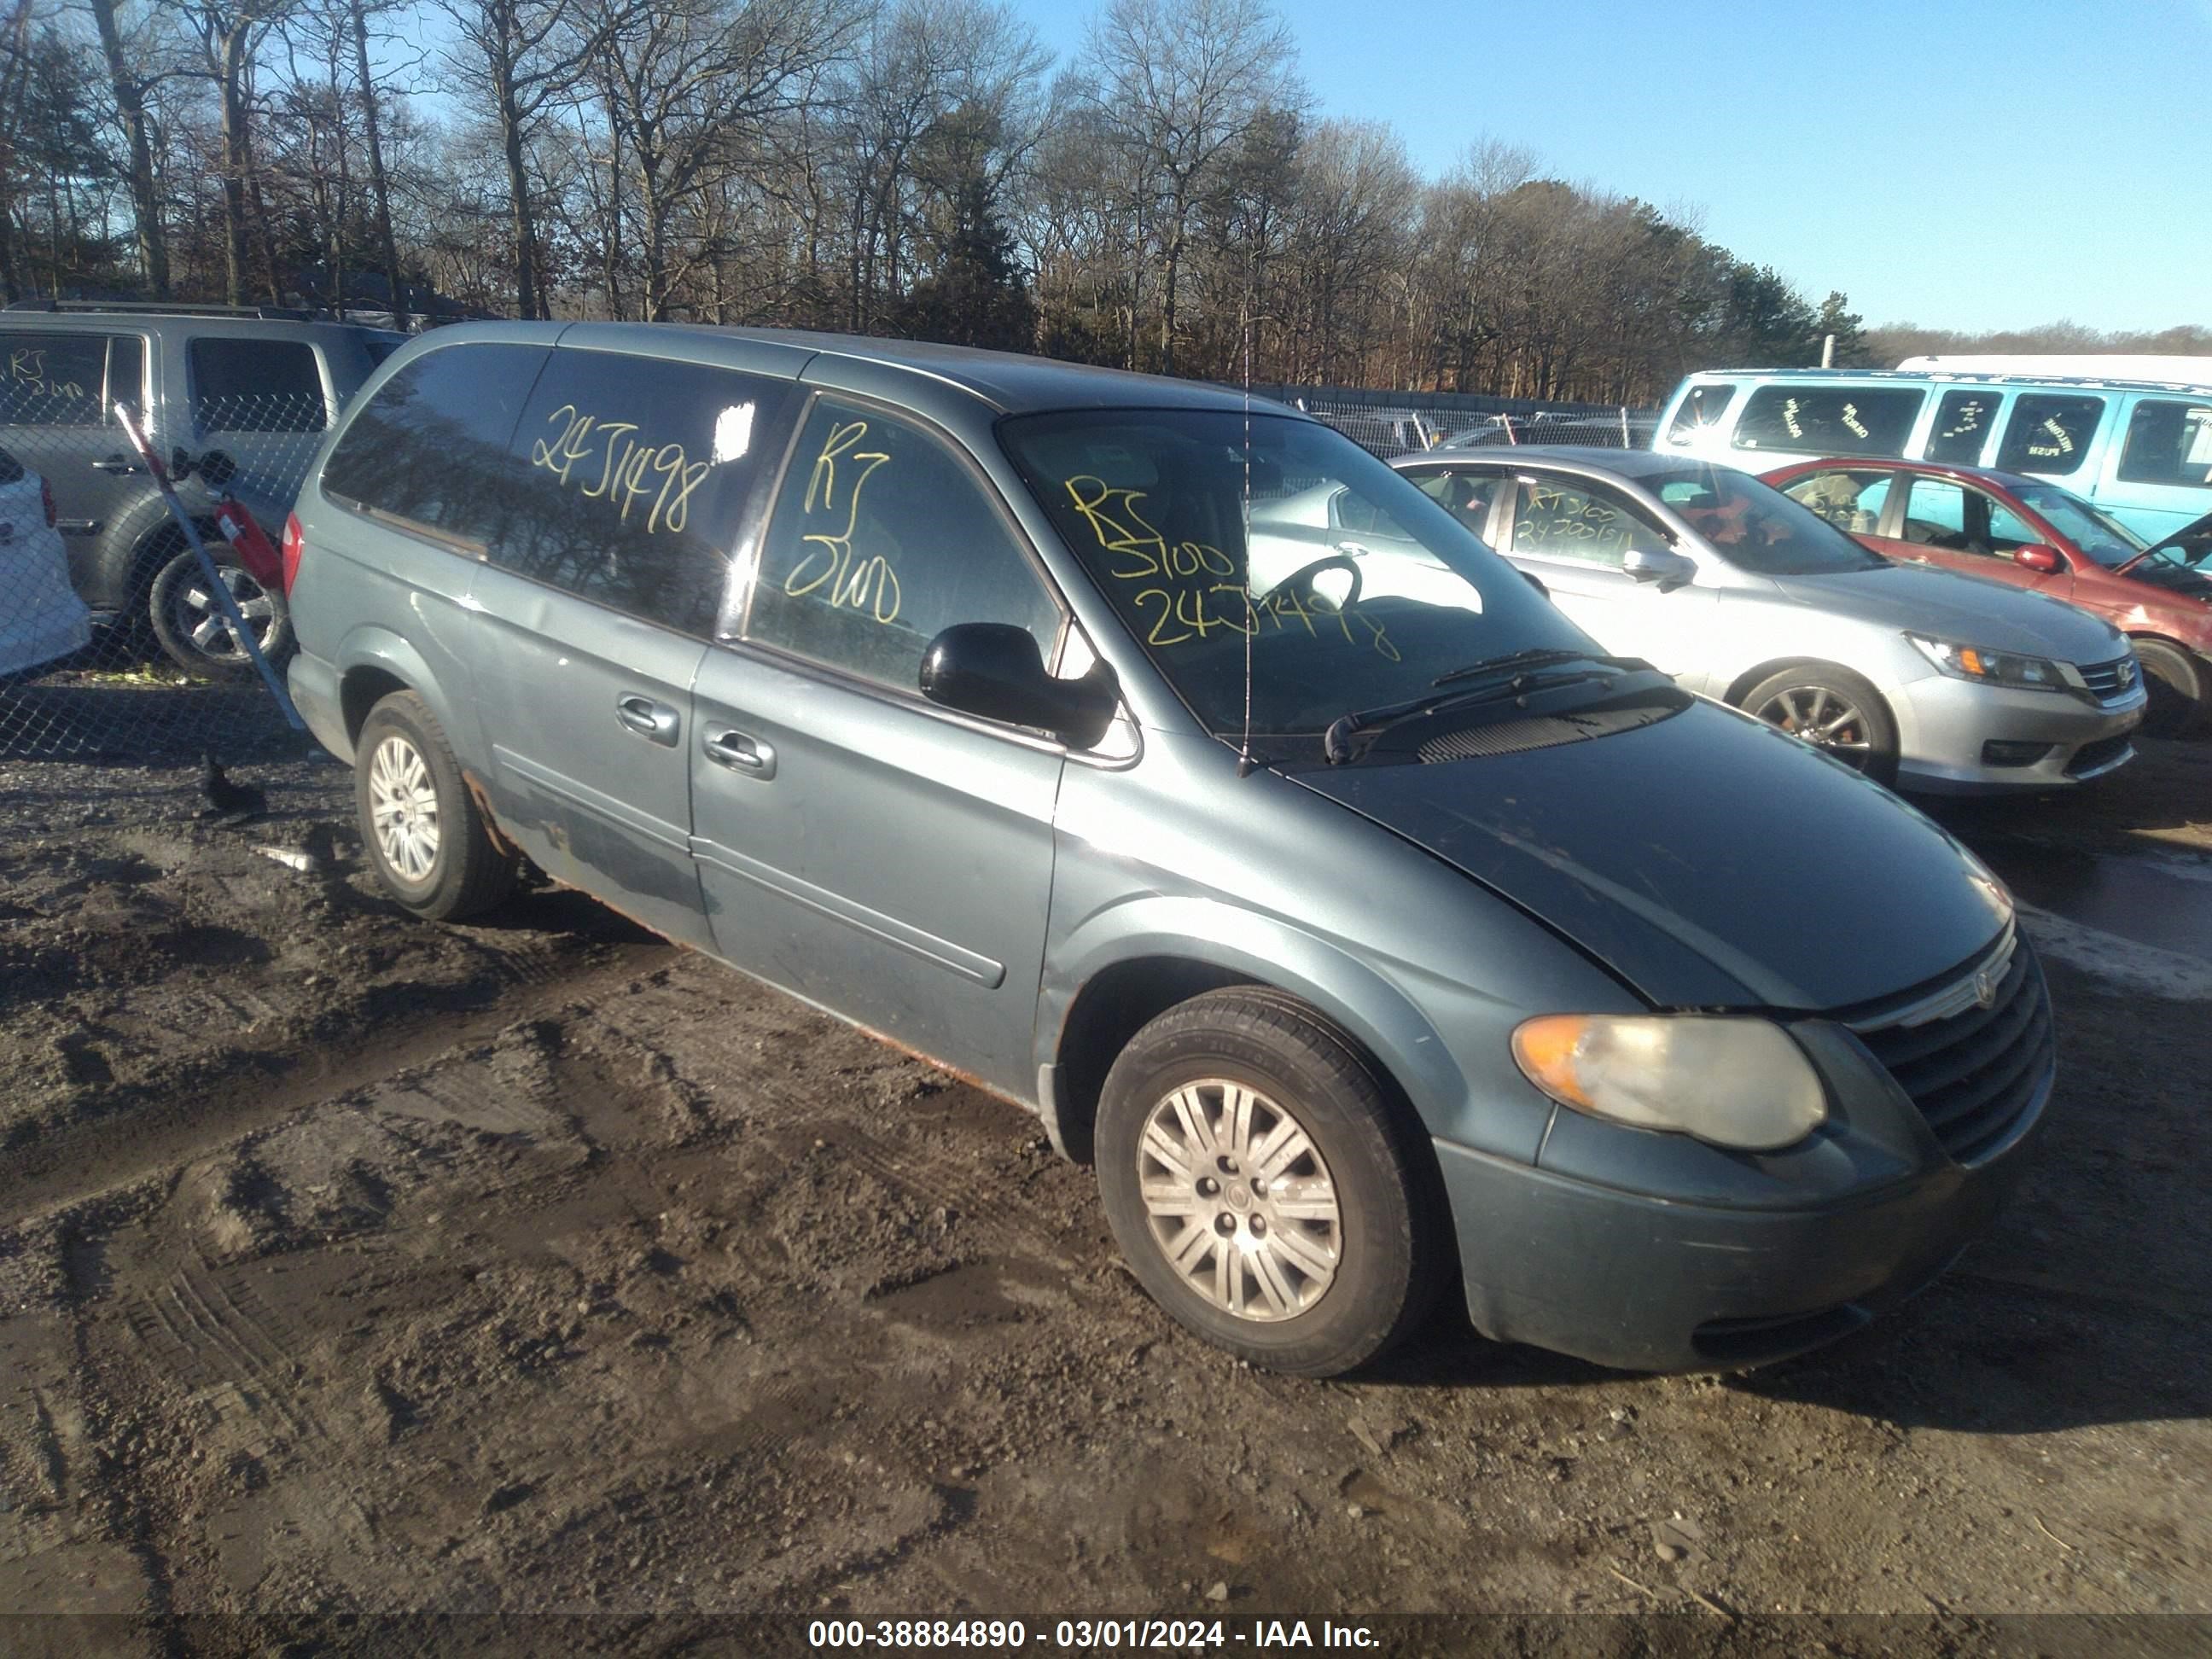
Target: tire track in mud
73,1163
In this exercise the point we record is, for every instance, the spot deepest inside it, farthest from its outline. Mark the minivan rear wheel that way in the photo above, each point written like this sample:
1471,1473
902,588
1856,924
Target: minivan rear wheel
1262,1181
1835,711
425,836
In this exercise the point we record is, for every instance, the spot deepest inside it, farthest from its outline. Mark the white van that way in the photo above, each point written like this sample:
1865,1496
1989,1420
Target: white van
2140,449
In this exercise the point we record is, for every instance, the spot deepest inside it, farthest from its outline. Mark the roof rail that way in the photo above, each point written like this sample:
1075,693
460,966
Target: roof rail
165,307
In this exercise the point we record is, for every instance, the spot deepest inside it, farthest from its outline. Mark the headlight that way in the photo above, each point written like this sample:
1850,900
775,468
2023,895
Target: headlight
1735,1082
1971,662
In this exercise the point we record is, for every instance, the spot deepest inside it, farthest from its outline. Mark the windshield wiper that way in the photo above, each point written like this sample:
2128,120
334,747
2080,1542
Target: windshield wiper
1336,742
1537,657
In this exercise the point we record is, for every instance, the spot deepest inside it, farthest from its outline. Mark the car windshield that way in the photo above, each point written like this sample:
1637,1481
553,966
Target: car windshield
2103,537
1757,528
1353,589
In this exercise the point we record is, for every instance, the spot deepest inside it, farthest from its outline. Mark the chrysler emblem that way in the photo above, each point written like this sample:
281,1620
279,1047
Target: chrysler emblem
1986,989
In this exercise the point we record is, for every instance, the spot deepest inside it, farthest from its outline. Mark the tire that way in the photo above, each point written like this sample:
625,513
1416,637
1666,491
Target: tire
191,628
1813,692
406,782
2176,682
1369,1250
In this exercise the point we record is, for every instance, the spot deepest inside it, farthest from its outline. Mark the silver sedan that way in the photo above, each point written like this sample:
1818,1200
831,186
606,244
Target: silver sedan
1920,677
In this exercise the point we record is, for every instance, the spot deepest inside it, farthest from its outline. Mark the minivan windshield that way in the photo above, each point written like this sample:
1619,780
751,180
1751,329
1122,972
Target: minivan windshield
1755,527
2103,537
1353,589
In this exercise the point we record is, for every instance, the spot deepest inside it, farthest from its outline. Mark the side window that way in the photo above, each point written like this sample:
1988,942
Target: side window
2049,433
2169,443
1466,496
1852,501
2007,529
255,386
631,476
880,539
431,446
1963,422
1935,516
53,380
1701,408
1559,520
1829,420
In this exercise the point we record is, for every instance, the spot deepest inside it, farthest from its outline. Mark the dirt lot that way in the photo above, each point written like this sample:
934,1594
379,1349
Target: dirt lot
350,1262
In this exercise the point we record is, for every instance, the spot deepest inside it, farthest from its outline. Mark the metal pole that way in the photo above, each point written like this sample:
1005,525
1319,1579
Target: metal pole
1624,426
1827,351
216,583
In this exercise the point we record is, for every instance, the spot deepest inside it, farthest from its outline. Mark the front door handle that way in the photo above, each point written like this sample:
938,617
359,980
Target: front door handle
740,753
649,719
116,464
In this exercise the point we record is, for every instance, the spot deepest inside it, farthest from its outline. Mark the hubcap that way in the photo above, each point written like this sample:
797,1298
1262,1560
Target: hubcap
1239,1200
200,618
403,803
1823,717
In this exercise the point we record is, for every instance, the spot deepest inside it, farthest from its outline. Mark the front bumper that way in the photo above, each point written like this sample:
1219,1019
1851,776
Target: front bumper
1944,725
1645,1283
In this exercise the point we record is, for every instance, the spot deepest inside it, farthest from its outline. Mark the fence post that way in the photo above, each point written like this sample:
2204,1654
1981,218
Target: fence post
1624,426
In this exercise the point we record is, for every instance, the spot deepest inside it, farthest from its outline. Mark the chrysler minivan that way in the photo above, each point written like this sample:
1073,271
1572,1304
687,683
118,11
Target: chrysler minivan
2140,450
1368,927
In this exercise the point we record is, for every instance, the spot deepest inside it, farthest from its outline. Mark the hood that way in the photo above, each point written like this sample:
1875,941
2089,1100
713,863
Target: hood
1707,859
2183,581
2190,538
1965,609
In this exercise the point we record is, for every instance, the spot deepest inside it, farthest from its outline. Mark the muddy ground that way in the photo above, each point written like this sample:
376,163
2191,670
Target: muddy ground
349,1263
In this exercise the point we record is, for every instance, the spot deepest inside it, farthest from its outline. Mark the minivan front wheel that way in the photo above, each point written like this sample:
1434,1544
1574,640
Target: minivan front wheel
1264,1187
425,836
1835,711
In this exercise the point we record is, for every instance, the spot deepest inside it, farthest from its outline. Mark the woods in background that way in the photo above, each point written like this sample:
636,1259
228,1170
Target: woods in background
1169,199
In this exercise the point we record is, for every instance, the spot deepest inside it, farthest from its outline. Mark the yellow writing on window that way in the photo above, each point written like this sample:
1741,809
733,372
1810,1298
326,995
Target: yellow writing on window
867,585
617,466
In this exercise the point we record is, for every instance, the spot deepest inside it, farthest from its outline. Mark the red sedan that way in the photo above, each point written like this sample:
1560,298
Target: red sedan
2034,534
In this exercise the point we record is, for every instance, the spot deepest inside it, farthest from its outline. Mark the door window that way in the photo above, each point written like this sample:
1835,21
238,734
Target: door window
2049,433
431,447
630,477
1561,520
1851,500
2007,529
1935,515
1466,496
1829,420
2169,442
880,539
1964,421
53,380
255,386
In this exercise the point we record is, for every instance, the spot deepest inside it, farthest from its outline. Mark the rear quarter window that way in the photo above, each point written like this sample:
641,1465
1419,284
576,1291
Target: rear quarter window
431,447
255,386
1828,419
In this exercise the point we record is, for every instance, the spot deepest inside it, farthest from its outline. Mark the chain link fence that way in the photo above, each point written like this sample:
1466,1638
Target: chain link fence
111,640
1393,429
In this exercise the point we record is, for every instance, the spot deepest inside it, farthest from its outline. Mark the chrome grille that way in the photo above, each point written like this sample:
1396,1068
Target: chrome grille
1973,1073
2109,682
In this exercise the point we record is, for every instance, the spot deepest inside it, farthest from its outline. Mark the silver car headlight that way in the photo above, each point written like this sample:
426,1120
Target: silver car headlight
2008,668
1734,1081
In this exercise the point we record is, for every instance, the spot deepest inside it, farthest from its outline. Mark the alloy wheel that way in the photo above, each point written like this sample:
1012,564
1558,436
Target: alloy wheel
199,616
403,806
1823,717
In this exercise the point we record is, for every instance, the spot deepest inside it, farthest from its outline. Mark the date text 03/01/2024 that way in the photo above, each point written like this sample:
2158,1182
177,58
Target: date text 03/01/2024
1136,1634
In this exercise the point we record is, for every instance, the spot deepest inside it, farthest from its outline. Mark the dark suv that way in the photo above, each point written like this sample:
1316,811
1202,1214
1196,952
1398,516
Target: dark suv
237,400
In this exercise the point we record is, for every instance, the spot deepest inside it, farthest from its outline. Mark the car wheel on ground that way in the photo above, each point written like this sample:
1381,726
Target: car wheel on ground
1835,711
1257,1177
2176,682
192,628
426,837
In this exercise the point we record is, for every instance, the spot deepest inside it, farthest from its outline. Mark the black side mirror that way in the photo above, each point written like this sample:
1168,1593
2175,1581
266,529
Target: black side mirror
995,670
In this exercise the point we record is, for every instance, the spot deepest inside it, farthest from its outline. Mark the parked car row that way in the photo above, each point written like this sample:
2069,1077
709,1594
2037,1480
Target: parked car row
1171,766
237,398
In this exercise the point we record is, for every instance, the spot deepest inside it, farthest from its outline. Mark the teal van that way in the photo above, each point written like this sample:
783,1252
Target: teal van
2142,450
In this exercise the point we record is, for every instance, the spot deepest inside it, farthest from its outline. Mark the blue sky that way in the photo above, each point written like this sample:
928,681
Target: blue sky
1956,163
